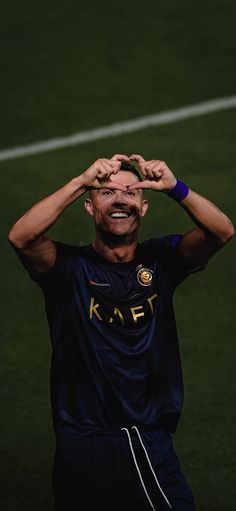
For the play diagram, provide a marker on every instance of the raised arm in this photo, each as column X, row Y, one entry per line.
column 214, row 229
column 27, row 236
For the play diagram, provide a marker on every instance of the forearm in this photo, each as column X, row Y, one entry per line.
column 208, row 217
column 37, row 220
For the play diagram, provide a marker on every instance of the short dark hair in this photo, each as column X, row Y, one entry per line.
column 130, row 168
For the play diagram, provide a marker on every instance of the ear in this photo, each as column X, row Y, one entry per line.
column 144, row 207
column 88, row 206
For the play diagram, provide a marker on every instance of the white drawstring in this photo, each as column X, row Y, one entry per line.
column 137, row 467
column 150, row 465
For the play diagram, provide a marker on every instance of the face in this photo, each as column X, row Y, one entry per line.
column 116, row 211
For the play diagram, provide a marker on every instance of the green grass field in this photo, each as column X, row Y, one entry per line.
column 67, row 67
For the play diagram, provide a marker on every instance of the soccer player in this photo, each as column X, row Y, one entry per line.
column 116, row 380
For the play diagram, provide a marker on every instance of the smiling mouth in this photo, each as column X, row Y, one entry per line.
column 119, row 214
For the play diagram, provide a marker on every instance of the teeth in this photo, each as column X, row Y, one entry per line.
column 119, row 215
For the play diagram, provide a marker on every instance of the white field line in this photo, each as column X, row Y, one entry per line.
column 120, row 128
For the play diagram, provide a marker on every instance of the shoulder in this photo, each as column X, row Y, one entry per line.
column 168, row 243
column 69, row 256
column 67, row 250
column 164, row 250
column 66, row 261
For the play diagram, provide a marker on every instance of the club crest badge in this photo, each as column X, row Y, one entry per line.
column 145, row 276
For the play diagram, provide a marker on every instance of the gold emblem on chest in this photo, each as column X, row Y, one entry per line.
column 145, row 276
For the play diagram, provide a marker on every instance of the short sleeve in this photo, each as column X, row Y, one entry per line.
column 167, row 249
column 66, row 261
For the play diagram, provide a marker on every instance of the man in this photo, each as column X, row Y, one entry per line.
column 116, row 381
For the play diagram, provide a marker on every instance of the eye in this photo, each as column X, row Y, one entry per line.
column 130, row 193
column 107, row 192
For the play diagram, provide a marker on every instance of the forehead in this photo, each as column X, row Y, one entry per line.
column 124, row 177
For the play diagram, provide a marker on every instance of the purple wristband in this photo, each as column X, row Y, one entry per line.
column 179, row 192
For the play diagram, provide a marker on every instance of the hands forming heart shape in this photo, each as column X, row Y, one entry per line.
column 156, row 174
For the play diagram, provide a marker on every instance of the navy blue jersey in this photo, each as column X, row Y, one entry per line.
column 115, row 354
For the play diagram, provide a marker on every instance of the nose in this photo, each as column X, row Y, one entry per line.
column 120, row 198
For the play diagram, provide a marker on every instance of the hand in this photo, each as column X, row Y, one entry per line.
column 157, row 176
column 98, row 174
column 120, row 157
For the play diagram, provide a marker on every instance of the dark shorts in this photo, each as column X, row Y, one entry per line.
column 99, row 473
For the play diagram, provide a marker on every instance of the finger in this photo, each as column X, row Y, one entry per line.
column 115, row 186
column 158, row 164
column 109, row 161
column 146, row 184
column 115, row 164
column 109, row 185
column 142, row 167
column 153, row 164
column 137, row 157
column 149, row 172
column 141, row 162
column 154, row 174
column 102, row 175
column 154, row 169
column 103, row 170
column 120, row 157
column 154, row 161
column 110, row 167
column 157, row 177
column 137, row 185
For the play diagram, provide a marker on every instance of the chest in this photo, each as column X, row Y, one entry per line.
column 123, row 297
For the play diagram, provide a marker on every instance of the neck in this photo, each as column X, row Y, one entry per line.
column 116, row 250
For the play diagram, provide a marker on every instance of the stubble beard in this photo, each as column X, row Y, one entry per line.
column 114, row 239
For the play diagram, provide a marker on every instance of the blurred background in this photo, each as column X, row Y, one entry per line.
column 71, row 66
